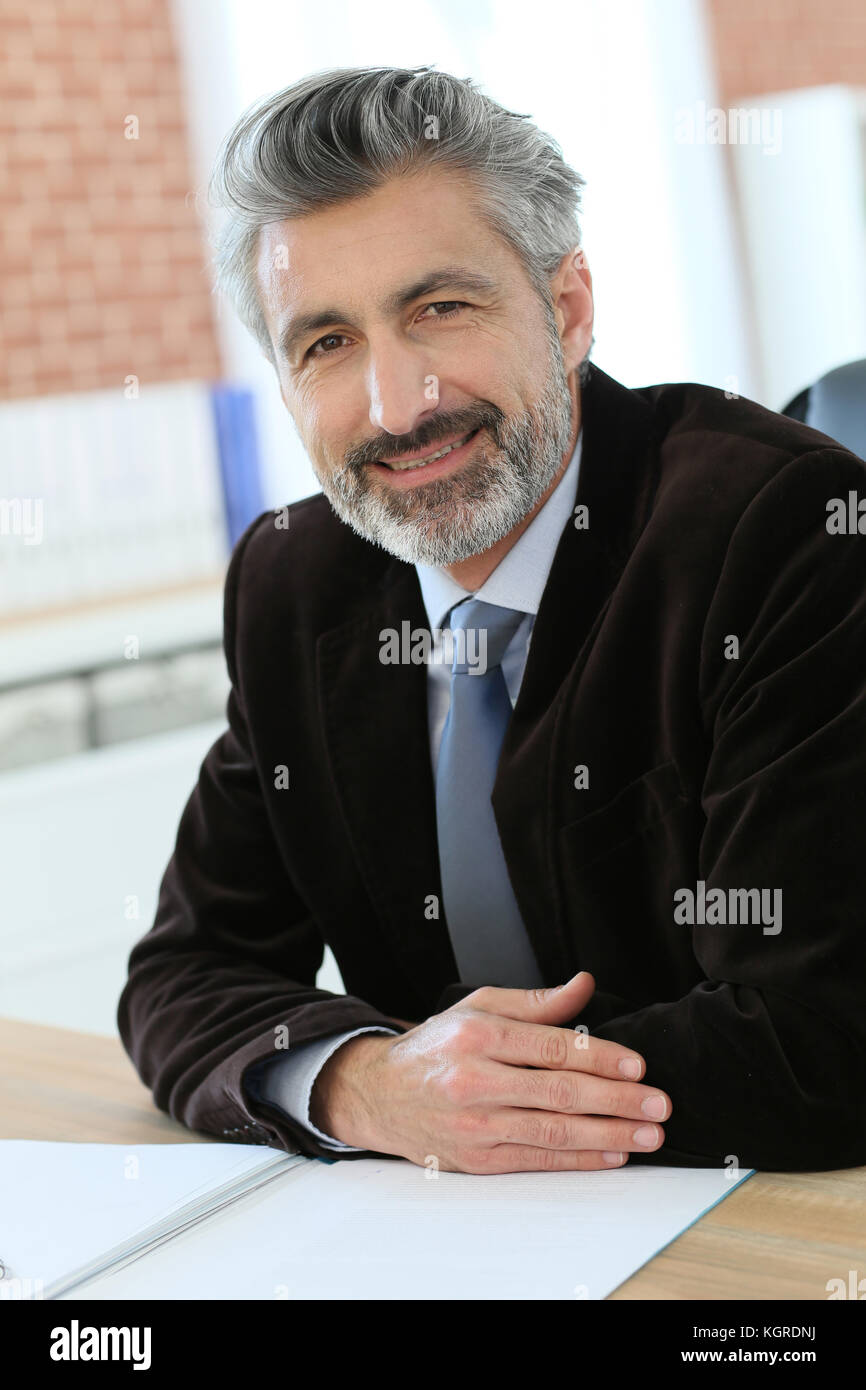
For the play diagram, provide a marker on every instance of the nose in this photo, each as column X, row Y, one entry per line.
column 401, row 392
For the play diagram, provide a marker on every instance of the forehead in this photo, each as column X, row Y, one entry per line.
column 369, row 243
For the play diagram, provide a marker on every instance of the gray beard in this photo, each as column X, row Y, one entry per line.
column 450, row 519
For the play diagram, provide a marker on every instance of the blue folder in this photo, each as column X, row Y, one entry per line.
column 240, row 468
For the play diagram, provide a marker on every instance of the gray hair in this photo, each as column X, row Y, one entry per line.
column 341, row 134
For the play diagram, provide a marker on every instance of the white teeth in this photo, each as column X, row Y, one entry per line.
column 401, row 467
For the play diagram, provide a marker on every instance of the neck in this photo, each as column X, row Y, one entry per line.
column 470, row 574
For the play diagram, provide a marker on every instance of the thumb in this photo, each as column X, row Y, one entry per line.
column 557, row 1005
column 562, row 1003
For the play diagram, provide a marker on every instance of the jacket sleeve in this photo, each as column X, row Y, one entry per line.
column 226, row 976
column 287, row 1081
column 765, row 1060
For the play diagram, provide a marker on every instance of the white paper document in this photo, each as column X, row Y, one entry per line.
column 68, row 1210
column 288, row 1227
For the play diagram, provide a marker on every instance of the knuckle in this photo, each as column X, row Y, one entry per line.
column 481, row 998
column 461, row 1085
column 554, row 1050
column 537, row 996
column 548, row 1159
column 564, row 1094
column 545, row 1132
column 555, row 1134
column 469, row 1034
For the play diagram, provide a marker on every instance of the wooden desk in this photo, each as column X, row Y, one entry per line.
column 779, row 1235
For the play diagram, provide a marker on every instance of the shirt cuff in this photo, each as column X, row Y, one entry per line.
column 288, row 1081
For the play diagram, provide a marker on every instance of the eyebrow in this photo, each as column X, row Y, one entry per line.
column 454, row 277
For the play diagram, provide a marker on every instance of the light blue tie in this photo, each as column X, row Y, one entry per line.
column 488, row 936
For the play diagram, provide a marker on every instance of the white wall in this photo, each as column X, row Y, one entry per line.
column 804, row 216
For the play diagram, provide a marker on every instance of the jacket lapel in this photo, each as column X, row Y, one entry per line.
column 615, row 484
column 375, row 723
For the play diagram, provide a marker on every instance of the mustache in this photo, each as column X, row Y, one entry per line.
column 456, row 422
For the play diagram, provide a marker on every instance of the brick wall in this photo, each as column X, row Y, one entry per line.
column 102, row 264
column 777, row 45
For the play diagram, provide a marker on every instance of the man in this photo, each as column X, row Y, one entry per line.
column 548, row 717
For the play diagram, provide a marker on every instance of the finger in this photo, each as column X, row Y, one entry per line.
column 524, row 1158
column 545, row 1129
column 540, row 1045
column 572, row 1093
column 555, row 1005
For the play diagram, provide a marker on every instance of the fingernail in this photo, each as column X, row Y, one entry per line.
column 612, row 1158
column 654, row 1108
column 646, row 1136
column 630, row 1067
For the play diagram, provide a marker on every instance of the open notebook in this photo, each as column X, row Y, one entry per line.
column 228, row 1221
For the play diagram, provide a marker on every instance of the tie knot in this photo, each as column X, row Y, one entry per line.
column 481, row 633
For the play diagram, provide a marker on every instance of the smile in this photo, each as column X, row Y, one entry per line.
column 406, row 465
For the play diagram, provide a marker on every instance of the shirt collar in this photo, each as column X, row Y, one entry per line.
column 520, row 577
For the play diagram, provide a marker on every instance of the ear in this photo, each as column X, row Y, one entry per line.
column 571, row 293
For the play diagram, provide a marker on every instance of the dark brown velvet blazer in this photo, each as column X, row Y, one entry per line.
column 707, row 521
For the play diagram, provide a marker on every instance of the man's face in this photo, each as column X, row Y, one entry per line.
column 403, row 326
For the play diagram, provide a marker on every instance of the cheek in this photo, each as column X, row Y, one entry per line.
column 306, row 406
column 325, row 420
column 500, row 366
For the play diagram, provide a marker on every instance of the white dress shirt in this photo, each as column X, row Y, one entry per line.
column 518, row 582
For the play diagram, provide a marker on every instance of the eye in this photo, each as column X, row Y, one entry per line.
column 453, row 307
column 328, row 338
